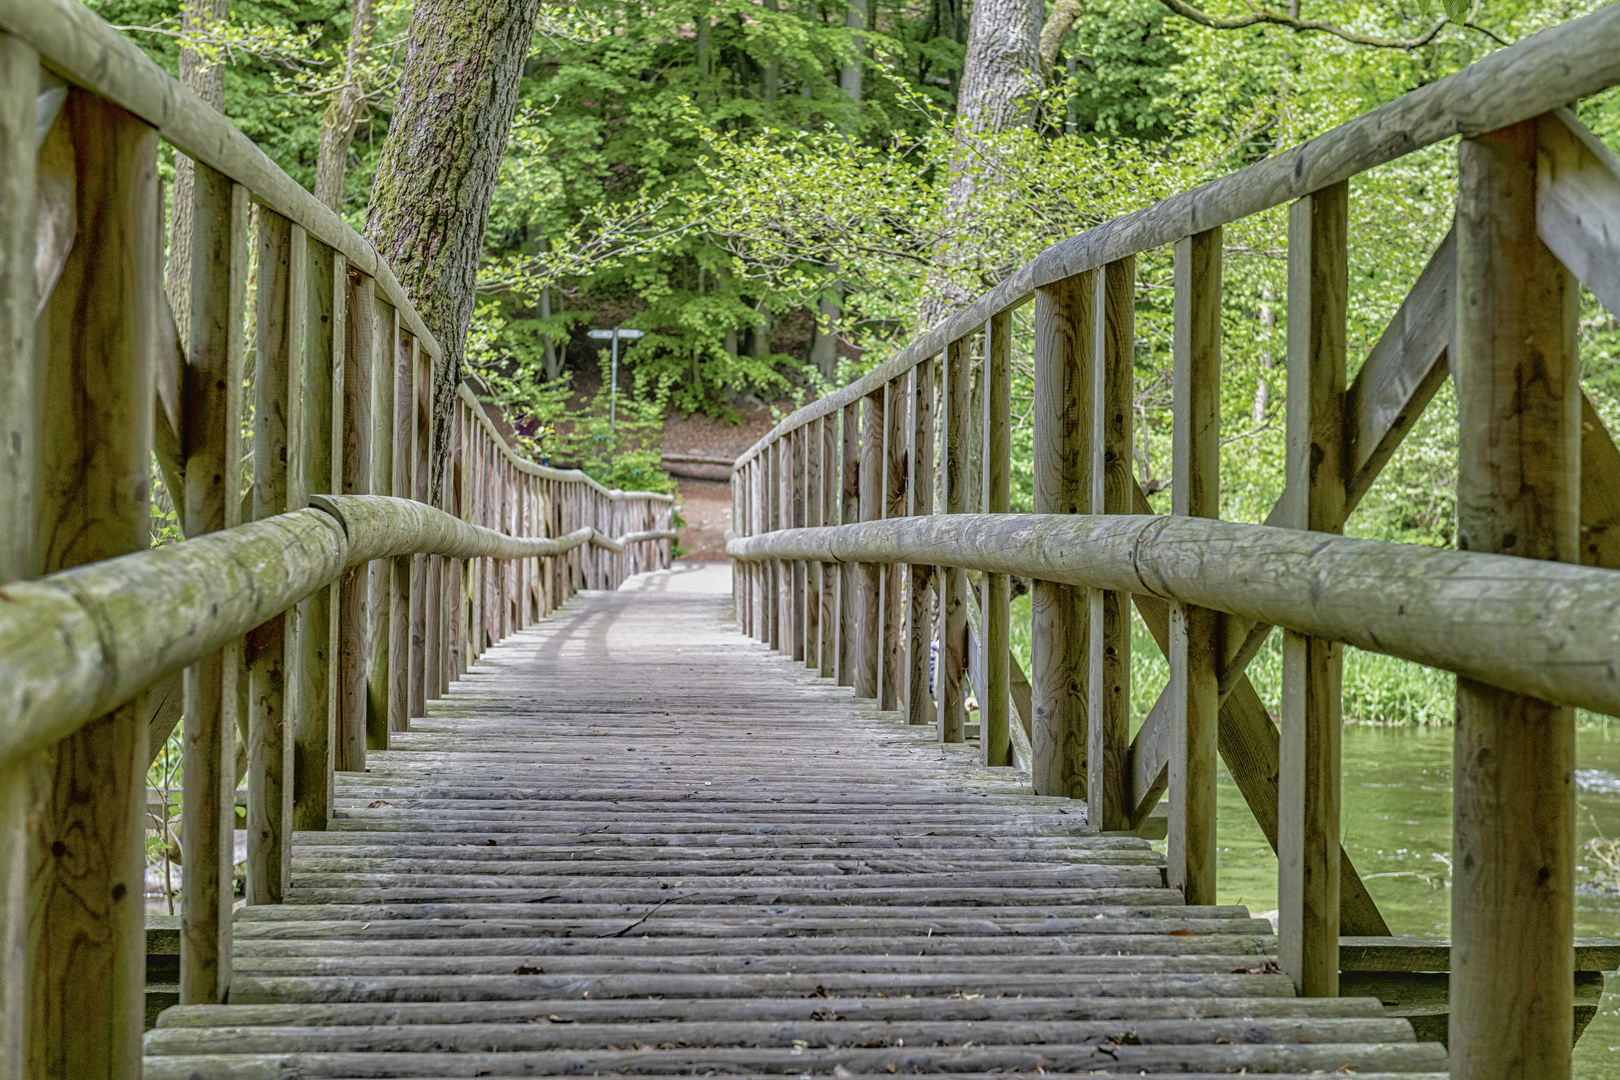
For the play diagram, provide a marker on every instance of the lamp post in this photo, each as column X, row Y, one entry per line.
column 614, row 336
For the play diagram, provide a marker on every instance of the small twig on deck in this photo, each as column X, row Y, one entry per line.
column 638, row 922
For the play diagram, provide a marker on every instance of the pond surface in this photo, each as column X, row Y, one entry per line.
column 1397, row 829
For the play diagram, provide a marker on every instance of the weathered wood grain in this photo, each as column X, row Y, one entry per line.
column 868, row 576
column 1578, row 203
column 994, row 646
column 849, row 511
column 920, row 625
column 954, row 594
column 897, row 432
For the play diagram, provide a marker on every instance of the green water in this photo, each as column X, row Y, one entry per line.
column 1397, row 819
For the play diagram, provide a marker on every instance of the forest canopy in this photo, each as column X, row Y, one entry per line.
column 765, row 188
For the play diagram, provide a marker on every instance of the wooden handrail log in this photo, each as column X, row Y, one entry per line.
column 1524, row 80
column 1534, row 627
column 76, row 644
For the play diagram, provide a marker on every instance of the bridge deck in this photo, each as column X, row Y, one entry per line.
column 634, row 841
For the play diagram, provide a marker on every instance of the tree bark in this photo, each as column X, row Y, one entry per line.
column 207, row 81
column 430, row 202
column 343, row 111
column 1001, row 69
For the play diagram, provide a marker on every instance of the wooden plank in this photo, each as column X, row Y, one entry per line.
column 382, row 482
column 211, row 403
column 849, row 509
column 810, row 496
column 1059, row 657
column 995, row 739
column 831, row 573
column 358, row 428
column 1518, row 396
column 272, row 648
column 419, row 414
column 399, row 601
column 1317, row 467
column 85, row 1005
column 1108, row 779
column 868, row 577
column 791, row 450
column 1195, row 492
column 897, row 430
column 1578, row 203
column 920, row 707
column 319, row 374
column 954, row 421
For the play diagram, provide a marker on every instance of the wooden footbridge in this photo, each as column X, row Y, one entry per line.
column 522, row 800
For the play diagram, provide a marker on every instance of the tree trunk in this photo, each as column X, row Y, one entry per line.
column 849, row 76
column 999, row 74
column 548, row 347
column 430, row 201
column 207, row 81
column 343, row 112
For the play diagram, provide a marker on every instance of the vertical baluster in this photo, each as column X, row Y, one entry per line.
column 952, row 657
column 869, row 576
column 1309, row 776
column 97, row 333
column 402, row 369
column 827, row 493
column 994, row 738
column 793, row 569
column 281, row 308
column 773, row 509
column 783, row 489
column 755, row 569
column 849, row 510
column 381, row 483
column 739, row 571
column 1519, row 409
column 417, row 464
column 920, row 708
column 808, row 492
column 322, row 390
column 1059, row 654
column 211, row 436
column 1112, row 489
column 896, row 487
column 20, row 405
column 359, row 295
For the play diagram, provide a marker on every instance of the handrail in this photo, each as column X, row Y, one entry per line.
column 1535, row 76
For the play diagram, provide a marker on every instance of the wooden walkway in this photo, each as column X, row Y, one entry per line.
column 632, row 840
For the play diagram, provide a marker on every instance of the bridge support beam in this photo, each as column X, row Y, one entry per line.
column 1519, row 409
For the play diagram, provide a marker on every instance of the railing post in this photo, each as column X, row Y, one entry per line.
column 810, row 498
column 827, row 494
column 955, row 418
column 868, row 586
column 211, row 438
column 417, row 472
column 756, row 525
column 1112, row 489
column 792, row 446
column 849, row 510
column 1059, row 654
column 995, row 741
column 321, row 374
column 401, row 370
column 1519, row 409
column 86, row 954
column 20, row 403
column 1195, row 491
column 896, row 483
column 358, row 292
column 278, row 431
column 920, row 707
column 1308, row 780
column 381, row 481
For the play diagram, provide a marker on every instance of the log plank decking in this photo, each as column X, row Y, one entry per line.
column 633, row 840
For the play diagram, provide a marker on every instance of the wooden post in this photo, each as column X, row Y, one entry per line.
column 896, row 496
column 399, row 600
column 920, row 707
column 211, row 437
column 356, row 425
column 1195, row 491
column 868, row 582
column 272, row 648
column 813, row 572
column 774, row 600
column 1308, row 779
column 849, row 509
column 827, row 493
column 956, row 416
column 1518, row 398
column 421, row 443
column 995, row 741
column 321, row 374
column 382, row 482
column 792, row 465
column 1059, row 653
column 20, row 405
column 87, row 955
column 1108, row 779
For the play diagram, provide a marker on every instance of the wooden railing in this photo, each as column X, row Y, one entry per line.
column 855, row 539
column 352, row 594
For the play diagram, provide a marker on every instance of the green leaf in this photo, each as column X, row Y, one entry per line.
column 1456, row 10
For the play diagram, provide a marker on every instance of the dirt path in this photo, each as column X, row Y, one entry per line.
column 706, row 504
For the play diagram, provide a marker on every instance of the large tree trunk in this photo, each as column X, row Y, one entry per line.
column 207, row 81
column 1000, row 72
column 343, row 111
column 430, row 201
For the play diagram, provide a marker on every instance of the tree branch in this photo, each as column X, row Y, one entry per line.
column 1260, row 14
